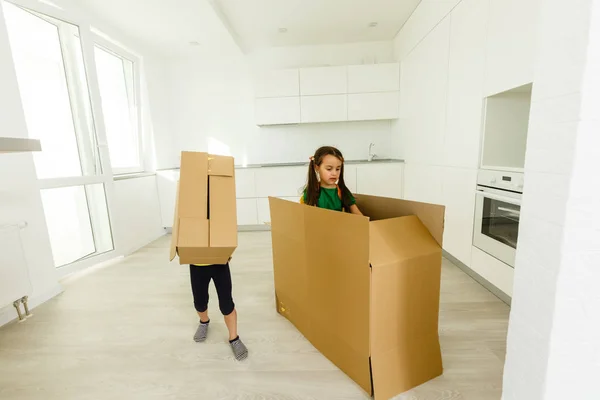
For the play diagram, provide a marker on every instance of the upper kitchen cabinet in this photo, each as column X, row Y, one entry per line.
column 323, row 81
column 277, row 83
column 328, row 94
column 373, row 106
column 373, row 78
column 511, row 44
column 326, row 108
column 277, row 111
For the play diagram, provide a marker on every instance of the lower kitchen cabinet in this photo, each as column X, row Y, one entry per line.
column 264, row 212
column 247, row 211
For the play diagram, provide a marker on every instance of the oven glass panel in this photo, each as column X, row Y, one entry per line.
column 501, row 221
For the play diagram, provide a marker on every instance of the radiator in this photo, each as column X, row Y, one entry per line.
column 15, row 282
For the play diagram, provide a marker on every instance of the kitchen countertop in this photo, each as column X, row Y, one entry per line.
column 300, row 164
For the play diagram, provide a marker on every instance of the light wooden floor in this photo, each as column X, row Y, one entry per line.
column 125, row 333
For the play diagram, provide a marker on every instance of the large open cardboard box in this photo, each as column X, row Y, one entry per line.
column 364, row 292
column 205, row 226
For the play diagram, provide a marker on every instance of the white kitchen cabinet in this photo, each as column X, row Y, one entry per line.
column 244, row 183
column 424, row 183
column 374, row 78
column 373, row 106
column 280, row 181
column 323, row 80
column 329, row 108
column 424, row 97
column 247, row 212
column 380, row 179
column 277, row 83
column 277, row 111
column 264, row 212
column 328, row 94
column 466, row 71
column 458, row 195
column 494, row 271
column 511, row 44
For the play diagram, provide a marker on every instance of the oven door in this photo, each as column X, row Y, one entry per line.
column 496, row 227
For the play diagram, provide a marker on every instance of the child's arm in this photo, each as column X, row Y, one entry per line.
column 354, row 210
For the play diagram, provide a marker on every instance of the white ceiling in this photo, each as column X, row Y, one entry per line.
column 165, row 25
column 310, row 22
column 170, row 25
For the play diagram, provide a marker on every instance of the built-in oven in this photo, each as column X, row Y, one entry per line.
column 497, row 214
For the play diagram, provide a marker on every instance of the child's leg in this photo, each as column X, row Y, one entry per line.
column 222, row 278
column 200, row 278
column 223, row 284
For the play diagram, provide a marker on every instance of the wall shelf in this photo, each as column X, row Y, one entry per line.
column 18, row 145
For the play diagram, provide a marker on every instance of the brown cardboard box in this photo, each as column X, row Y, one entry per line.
column 205, row 226
column 364, row 293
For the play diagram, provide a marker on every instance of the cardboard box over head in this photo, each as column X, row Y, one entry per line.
column 205, row 226
column 364, row 292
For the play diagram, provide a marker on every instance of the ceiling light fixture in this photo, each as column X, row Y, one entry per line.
column 282, row 30
column 194, row 43
column 373, row 24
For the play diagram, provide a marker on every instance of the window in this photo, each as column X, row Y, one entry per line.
column 41, row 48
column 116, row 79
column 51, row 61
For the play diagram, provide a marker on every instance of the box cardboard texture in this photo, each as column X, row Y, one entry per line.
column 364, row 292
column 205, row 226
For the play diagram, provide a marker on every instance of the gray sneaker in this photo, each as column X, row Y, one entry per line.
column 201, row 332
column 240, row 351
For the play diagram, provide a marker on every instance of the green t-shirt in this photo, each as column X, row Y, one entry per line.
column 330, row 199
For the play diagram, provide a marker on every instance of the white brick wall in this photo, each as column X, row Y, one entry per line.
column 554, row 334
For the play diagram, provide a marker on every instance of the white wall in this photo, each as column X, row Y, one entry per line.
column 19, row 193
column 554, row 332
column 445, row 49
column 212, row 107
column 137, row 212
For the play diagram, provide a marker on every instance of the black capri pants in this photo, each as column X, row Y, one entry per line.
column 201, row 277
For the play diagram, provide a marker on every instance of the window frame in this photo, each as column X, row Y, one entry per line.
column 99, row 142
column 136, row 107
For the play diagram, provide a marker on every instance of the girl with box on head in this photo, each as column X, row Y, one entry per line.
column 326, row 187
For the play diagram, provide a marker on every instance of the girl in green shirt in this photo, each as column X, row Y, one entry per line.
column 326, row 187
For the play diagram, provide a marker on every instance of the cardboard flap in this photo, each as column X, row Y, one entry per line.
column 398, row 239
column 223, row 216
column 337, row 247
column 193, row 185
column 193, row 232
column 431, row 215
column 220, row 166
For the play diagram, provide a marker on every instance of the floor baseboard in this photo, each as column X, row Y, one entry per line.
column 479, row 279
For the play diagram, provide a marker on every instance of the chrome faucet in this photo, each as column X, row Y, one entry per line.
column 371, row 154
